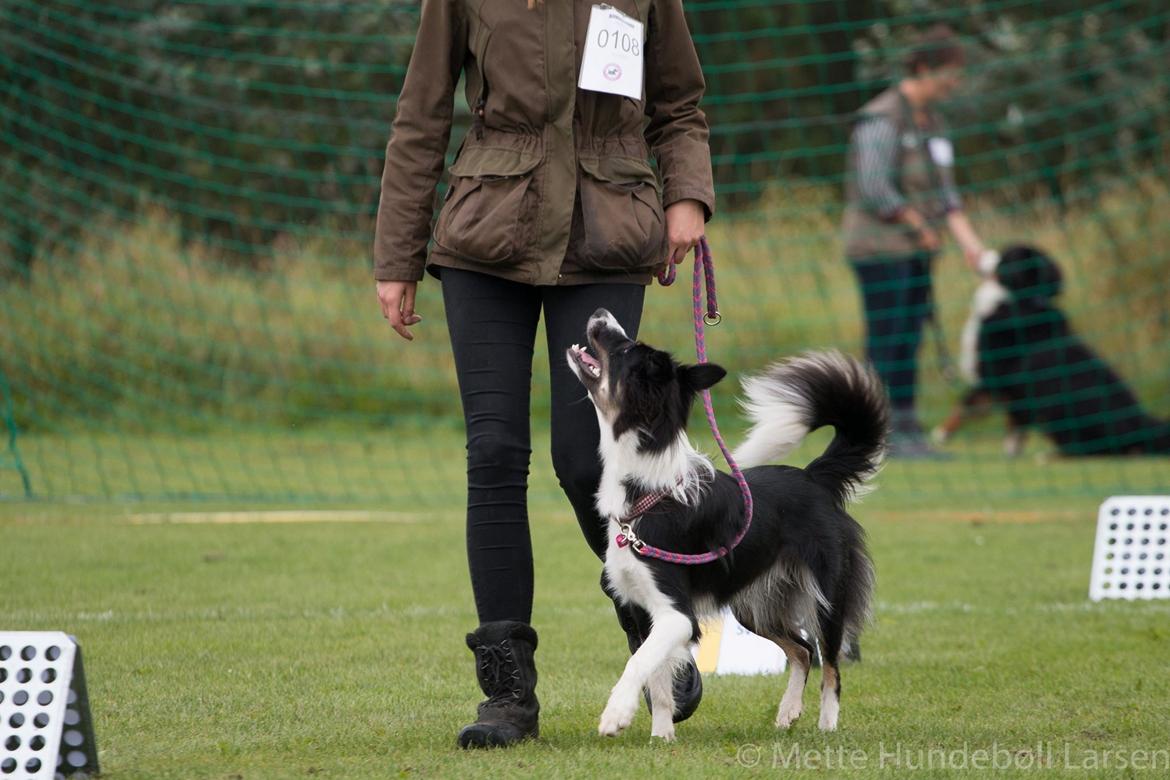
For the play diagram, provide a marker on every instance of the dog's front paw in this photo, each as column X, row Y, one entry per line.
column 618, row 715
column 788, row 713
column 613, row 723
column 828, row 721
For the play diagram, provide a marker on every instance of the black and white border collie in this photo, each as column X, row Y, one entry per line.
column 1019, row 351
column 803, row 564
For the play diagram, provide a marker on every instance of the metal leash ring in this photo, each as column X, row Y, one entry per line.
column 632, row 539
column 713, row 319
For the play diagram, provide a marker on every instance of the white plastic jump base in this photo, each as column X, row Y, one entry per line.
column 1131, row 558
column 726, row 647
column 46, row 731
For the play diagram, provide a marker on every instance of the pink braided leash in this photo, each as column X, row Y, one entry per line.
column 704, row 270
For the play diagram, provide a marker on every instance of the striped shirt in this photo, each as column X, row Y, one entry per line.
column 876, row 141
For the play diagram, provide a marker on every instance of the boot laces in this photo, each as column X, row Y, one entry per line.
column 500, row 673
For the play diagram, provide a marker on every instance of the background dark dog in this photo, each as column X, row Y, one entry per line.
column 1020, row 352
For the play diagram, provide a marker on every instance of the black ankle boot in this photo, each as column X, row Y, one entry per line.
column 506, row 669
column 688, row 683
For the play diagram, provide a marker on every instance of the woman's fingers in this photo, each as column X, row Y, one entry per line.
column 928, row 239
column 399, row 326
column 397, row 300
column 684, row 229
column 408, row 302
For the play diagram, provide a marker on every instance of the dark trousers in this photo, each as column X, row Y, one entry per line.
column 492, row 323
column 895, row 292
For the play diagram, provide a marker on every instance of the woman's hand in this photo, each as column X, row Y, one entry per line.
column 967, row 238
column 973, row 255
column 684, row 228
column 397, row 299
column 928, row 239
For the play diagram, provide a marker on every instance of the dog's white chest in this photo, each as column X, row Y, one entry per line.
column 620, row 565
column 629, row 576
column 988, row 296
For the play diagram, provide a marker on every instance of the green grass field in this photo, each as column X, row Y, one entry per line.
column 334, row 647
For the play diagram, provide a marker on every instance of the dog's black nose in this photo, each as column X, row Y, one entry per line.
column 600, row 314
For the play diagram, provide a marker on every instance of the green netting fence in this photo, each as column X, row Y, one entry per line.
column 187, row 192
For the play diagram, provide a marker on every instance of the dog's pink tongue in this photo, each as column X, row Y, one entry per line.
column 588, row 360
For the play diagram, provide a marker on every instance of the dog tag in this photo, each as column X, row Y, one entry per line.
column 942, row 152
column 612, row 61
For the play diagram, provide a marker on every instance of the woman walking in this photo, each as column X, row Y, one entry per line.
column 552, row 208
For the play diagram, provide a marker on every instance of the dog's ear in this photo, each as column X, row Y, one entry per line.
column 703, row 375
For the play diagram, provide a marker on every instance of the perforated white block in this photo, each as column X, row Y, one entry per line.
column 45, row 726
column 1131, row 558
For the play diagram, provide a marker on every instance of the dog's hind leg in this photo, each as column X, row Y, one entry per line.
column 799, row 653
column 671, row 632
column 832, row 635
column 830, row 696
column 661, row 687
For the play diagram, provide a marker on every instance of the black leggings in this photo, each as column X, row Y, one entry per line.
column 896, row 295
column 493, row 323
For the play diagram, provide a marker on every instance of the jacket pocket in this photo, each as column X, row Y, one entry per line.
column 622, row 215
column 485, row 217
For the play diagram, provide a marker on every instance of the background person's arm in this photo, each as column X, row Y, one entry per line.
column 957, row 221
column 876, row 142
column 968, row 240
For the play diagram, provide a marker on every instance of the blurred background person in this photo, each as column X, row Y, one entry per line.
column 900, row 194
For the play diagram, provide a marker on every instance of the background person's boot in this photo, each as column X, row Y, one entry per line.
column 908, row 440
column 688, row 683
column 506, row 669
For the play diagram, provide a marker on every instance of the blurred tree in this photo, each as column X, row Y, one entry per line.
column 1060, row 94
column 244, row 119
column 248, row 120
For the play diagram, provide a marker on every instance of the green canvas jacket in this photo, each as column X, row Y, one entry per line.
column 552, row 184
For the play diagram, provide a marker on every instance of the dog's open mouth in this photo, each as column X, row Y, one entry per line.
column 587, row 362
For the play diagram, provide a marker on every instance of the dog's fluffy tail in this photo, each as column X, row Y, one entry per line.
column 796, row 396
